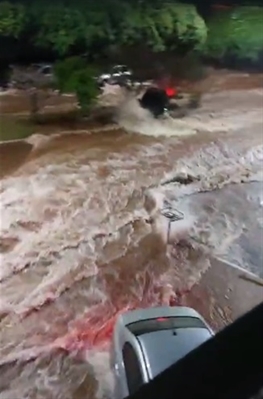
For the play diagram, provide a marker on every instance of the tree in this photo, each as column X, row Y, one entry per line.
column 59, row 27
column 180, row 25
column 236, row 33
column 74, row 76
column 84, row 26
column 13, row 19
column 163, row 26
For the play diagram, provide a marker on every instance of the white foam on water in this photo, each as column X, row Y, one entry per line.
column 69, row 223
column 58, row 213
column 101, row 367
column 226, row 111
column 135, row 119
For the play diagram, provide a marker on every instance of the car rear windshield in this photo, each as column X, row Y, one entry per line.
column 164, row 323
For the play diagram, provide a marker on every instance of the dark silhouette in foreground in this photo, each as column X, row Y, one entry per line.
column 228, row 366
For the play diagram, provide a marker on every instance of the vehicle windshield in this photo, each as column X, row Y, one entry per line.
column 164, row 323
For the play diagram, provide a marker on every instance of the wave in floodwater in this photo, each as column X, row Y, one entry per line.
column 226, row 111
column 134, row 118
column 83, row 238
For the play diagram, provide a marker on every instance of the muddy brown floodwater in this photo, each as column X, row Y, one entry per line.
column 83, row 238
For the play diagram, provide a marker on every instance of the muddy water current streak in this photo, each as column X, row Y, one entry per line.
column 82, row 238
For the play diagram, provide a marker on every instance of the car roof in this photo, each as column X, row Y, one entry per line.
column 120, row 66
column 163, row 348
column 161, row 311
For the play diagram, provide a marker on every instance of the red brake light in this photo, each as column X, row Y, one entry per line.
column 161, row 319
column 170, row 91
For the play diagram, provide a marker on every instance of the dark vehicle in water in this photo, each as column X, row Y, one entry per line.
column 162, row 102
column 155, row 100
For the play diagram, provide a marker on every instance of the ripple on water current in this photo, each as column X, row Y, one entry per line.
column 77, row 245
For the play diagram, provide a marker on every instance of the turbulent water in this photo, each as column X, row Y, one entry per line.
column 83, row 238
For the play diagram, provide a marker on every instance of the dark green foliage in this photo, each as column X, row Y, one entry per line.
column 86, row 89
column 237, row 33
column 74, row 76
column 65, row 27
column 64, row 71
column 86, row 26
column 13, row 19
column 165, row 27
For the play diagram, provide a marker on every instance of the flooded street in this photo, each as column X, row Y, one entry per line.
column 83, row 238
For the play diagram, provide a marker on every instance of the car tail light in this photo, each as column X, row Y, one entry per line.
column 161, row 319
column 170, row 91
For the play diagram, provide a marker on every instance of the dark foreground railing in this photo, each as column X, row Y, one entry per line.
column 228, row 366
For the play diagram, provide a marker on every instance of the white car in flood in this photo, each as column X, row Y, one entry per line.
column 148, row 341
column 118, row 74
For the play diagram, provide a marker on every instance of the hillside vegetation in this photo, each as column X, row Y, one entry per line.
column 58, row 29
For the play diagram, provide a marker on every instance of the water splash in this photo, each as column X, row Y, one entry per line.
column 82, row 236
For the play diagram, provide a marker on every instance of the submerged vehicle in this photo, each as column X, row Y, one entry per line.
column 44, row 69
column 148, row 341
column 155, row 100
column 117, row 75
column 161, row 102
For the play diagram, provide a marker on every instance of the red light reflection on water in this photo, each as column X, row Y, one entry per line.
column 95, row 329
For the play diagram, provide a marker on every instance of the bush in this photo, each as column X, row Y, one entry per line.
column 237, row 34
column 74, row 76
column 84, row 26
column 64, row 72
column 163, row 27
column 13, row 19
column 181, row 25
